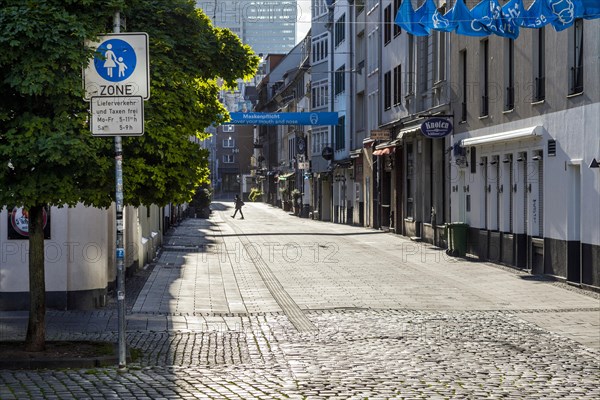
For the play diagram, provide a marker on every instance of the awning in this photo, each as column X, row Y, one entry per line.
column 533, row 132
column 286, row 176
column 384, row 151
column 391, row 143
column 408, row 131
column 355, row 153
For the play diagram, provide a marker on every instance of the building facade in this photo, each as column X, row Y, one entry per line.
column 525, row 114
column 526, row 136
column 268, row 26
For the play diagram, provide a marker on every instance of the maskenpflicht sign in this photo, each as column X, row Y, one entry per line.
column 120, row 67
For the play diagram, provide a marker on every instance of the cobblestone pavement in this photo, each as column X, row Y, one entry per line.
column 214, row 322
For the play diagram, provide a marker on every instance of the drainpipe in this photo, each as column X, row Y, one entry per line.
column 351, row 95
column 332, row 102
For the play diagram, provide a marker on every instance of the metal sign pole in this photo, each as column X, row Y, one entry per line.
column 120, row 246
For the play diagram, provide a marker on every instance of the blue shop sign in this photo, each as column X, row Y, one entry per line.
column 436, row 127
column 283, row 118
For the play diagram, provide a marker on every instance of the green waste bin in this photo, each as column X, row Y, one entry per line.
column 457, row 238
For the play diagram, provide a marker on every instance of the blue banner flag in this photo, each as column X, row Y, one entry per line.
column 489, row 14
column 424, row 13
column 511, row 18
column 538, row 15
column 433, row 19
column 565, row 12
column 465, row 23
column 406, row 18
column 591, row 9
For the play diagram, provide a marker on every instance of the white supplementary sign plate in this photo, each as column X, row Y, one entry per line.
column 119, row 68
column 117, row 116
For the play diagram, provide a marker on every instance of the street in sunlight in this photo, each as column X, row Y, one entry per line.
column 275, row 306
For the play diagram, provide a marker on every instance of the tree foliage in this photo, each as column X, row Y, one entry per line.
column 187, row 55
column 47, row 154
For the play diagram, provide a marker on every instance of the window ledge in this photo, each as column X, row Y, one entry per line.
column 569, row 96
column 462, row 122
column 508, row 111
column 484, row 116
column 376, row 70
column 538, row 102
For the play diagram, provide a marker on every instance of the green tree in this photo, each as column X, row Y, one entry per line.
column 48, row 156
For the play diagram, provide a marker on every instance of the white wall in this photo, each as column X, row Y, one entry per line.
column 76, row 256
column 80, row 253
column 577, row 141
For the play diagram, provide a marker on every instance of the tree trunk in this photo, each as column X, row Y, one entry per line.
column 36, row 328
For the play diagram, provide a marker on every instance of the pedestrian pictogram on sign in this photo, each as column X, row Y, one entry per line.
column 120, row 67
column 118, row 62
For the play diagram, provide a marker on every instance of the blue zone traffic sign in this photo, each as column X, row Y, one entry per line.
column 119, row 67
column 115, row 60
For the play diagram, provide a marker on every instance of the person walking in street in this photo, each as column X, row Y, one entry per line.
column 238, row 206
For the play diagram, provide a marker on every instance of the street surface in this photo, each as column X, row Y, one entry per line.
column 277, row 307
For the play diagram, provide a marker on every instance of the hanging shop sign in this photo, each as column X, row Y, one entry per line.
column 380, row 134
column 436, row 127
